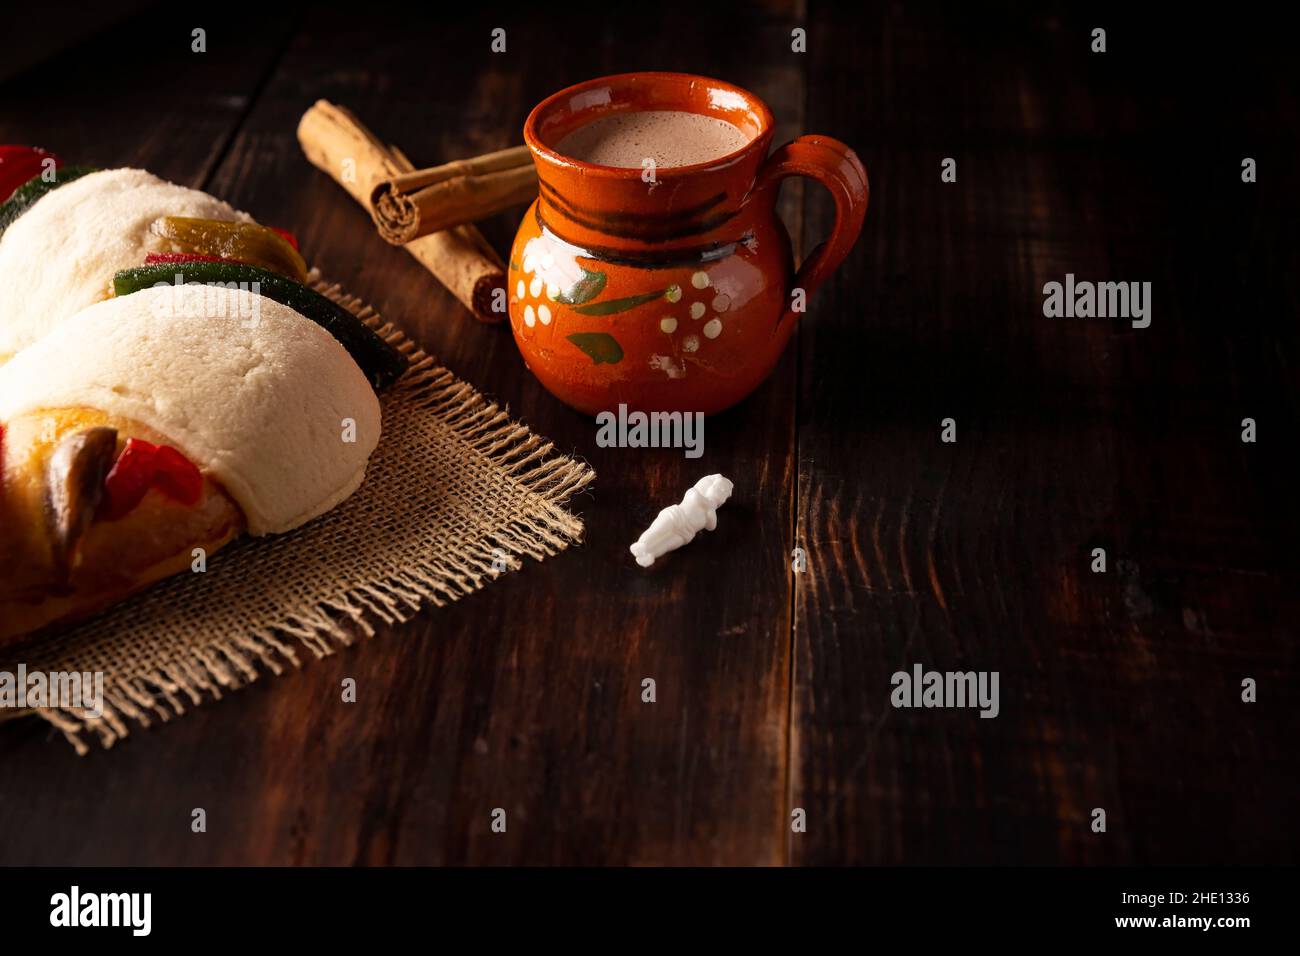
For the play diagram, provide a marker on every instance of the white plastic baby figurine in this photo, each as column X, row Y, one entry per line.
column 678, row 524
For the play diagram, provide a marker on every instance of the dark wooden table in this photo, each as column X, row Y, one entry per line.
column 1119, row 690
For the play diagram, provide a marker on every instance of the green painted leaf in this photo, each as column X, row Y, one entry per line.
column 601, row 346
column 514, row 265
column 610, row 306
column 585, row 289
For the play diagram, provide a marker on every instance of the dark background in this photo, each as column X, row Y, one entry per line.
column 1118, row 690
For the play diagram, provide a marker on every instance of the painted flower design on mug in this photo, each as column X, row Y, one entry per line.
column 552, row 277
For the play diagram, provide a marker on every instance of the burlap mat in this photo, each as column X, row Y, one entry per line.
column 455, row 493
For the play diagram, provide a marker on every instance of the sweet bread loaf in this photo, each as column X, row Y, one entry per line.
column 169, row 385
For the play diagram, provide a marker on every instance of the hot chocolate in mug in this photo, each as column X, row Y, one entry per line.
column 662, row 286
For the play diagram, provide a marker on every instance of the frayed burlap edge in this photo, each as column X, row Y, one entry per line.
column 204, row 671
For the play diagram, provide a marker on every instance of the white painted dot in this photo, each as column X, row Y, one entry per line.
column 535, row 287
column 668, row 325
column 544, row 313
column 548, row 260
column 700, row 280
column 697, row 310
column 673, row 293
column 519, row 289
column 721, row 303
column 713, row 328
column 528, row 263
column 552, row 291
column 691, row 343
column 528, row 316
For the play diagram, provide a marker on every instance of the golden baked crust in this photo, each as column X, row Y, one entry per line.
column 114, row 558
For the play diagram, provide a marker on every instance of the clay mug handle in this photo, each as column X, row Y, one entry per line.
column 838, row 168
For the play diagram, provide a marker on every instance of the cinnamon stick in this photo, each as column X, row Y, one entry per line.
column 337, row 143
column 429, row 200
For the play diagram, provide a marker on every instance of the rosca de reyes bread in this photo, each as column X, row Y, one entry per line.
column 205, row 392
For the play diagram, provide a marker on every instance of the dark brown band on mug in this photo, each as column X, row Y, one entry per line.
column 645, row 227
column 669, row 259
column 554, row 196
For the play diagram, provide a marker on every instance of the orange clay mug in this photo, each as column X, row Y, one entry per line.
column 672, row 290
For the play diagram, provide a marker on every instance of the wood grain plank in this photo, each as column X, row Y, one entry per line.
column 137, row 93
column 1119, row 690
column 32, row 40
